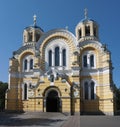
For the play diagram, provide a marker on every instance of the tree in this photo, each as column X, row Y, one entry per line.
column 117, row 97
column 3, row 88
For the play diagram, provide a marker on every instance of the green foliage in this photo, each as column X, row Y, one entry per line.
column 3, row 88
column 117, row 98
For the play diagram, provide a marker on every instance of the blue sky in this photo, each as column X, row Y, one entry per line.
column 15, row 15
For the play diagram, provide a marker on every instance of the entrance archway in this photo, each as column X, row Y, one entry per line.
column 52, row 101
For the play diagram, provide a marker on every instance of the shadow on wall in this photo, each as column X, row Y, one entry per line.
column 92, row 107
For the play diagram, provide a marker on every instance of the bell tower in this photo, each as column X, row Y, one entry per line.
column 87, row 29
column 32, row 34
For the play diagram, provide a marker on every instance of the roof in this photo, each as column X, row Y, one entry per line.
column 35, row 27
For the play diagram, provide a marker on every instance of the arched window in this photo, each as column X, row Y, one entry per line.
column 25, row 91
column 92, row 91
column 50, row 58
column 87, row 30
column 95, row 32
column 64, row 57
column 25, row 64
column 80, row 33
column 31, row 64
column 37, row 36
column 91, row 60
column 57, row 56
column 30, row 37
column 85, row 60
column 88, row 60
column 86, row 91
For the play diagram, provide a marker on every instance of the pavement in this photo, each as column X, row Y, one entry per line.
column 35, row 119
column 40, row 119
column 99, row 121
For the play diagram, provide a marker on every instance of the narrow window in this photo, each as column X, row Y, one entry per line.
column 25, row 64
column 85, row 60
column 95, row 33
column 86, row 90
column 92, row 61
column 37, row 36
column 25, row 92
column 30, row 37
column 79, row 33
column 64, row 57
column 31, row 64
column 87, row 30
column 50, row 58
column 92, row 90
column 57, row 56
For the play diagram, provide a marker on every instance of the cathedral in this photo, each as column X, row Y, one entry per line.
column 58, row 71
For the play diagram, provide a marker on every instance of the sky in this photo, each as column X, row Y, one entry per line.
column 15, row 15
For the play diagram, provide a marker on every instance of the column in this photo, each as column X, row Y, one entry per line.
column 83, row 31
column 61, row 60
column 53, row 58
column 91, row 29
column 34, row 36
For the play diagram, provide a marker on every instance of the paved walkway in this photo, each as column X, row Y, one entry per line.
column 40, row 119
column 100, row 121
column 72, row 121
column 34, row 119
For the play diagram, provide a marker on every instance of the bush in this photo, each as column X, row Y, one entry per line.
column 3, row 88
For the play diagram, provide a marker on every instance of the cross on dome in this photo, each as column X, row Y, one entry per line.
column 86, row 13
column 34, row 19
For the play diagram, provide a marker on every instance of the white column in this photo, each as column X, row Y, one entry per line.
column 88, row 60
column 33, row 36
column 61, row 57
column 83, row 31
column 91, row 29
column 53, row 58
column 28, row 65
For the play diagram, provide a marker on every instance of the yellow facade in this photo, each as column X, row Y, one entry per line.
column 57, row 71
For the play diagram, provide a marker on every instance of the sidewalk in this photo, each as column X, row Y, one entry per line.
column 73, row 121
column 38, row 119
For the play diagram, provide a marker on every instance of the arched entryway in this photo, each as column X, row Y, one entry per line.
column 52, row 101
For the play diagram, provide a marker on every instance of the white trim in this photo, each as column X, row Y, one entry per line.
column 51, row 46
column 88, row 54
column 89, row 81
column 28, row 58
column 92, row 72
column 58, row 32
column 29, row 93
column 23, row 91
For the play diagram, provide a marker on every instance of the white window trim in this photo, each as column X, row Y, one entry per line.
column 51, row 46
column 23, row 90
column 28, row 58
column 89, row 88
column 28, row 88
column 88, row 54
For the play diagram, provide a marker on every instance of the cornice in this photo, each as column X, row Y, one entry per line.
column 62, row 33
column 88, row 72
column 23, row 48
